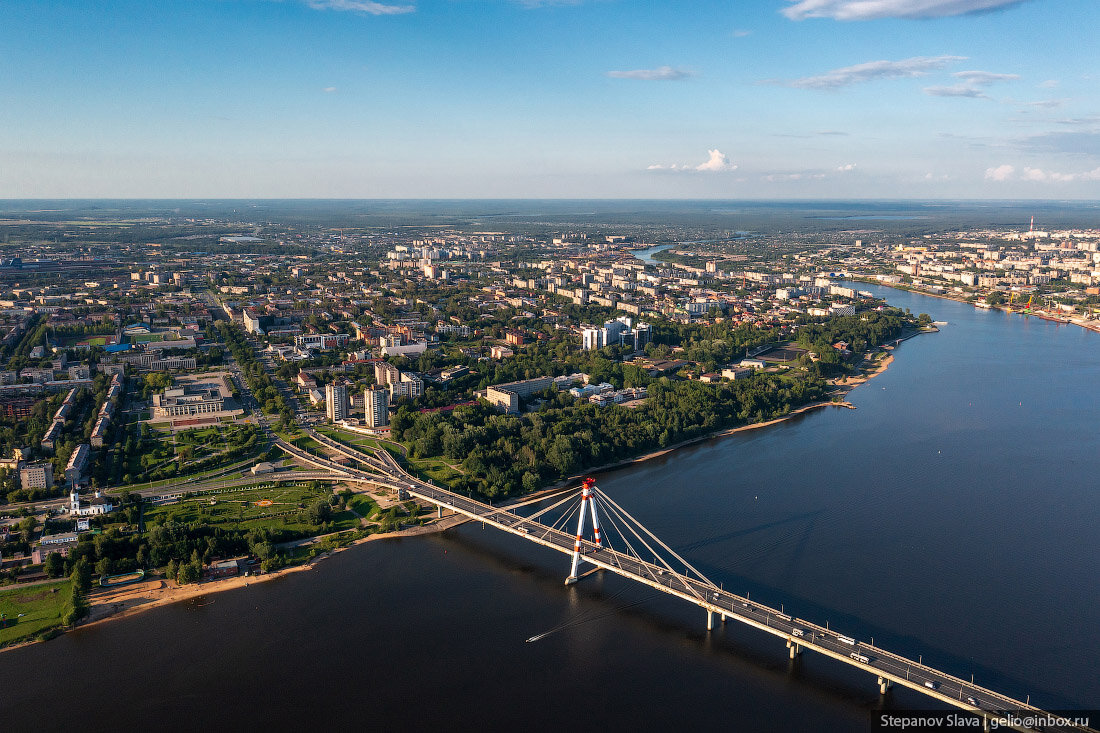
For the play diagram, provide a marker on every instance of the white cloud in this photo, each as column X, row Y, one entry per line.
column 360, row 6
column 779, row 177
column 959, row 90
column 1038, row 175
column 983, row 78
column 972, row 81
column 1047, row 103
column 872, row 9
column 905, row 68
column 740, row 33
column 846, row 167
column 329, row 90
column 1049, row 84
column 716, row 162
column 662, row 73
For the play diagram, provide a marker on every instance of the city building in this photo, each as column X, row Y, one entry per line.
column 507, row 396
column 98, row 504
column 36, row 475
column 190, row 399
column 62, row 544
column 78, row 461
column 620, row 332
column 376, row 404
column 17, row 408
column 321, row 341
column 401, row 384
column 336, row 401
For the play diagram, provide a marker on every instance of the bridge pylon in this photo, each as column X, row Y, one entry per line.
column 588, row 504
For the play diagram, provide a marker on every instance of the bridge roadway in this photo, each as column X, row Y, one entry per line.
column 889, row 668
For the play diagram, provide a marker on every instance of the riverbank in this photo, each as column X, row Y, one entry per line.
column 125, row 601
column 839, row 389
column 110, row 604
column 1093, row 325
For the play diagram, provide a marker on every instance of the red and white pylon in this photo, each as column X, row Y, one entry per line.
column 587, row 502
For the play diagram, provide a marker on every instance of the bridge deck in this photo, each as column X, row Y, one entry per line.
column 800, row 634
column 874, row 660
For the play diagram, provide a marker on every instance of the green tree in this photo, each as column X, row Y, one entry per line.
column 54, row 565
column 188, row 573
column 81, row 575
column 320, row 512
column 78, row 606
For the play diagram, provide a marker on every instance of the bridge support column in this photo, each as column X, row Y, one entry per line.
column 585, row 496
column 710, row 620
column 723, row 618
column 884, row 685
column 439, row 512
column 794, row 648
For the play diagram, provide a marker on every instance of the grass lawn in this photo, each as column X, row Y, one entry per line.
column 352, row 439
column 308, row 444
column 364, row 505
column 233, row 505
column 344, row 520
column 42, row 606
column 145, row 338
column 441, row 475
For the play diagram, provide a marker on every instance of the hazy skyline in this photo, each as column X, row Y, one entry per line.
column 550, row 98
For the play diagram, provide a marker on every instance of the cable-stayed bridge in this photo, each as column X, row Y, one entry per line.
column 641, row 556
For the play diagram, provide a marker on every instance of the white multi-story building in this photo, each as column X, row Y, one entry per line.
column 336, row 401
column 620, row 332
column 36, row 475
column 401, row 384
column 376, row 403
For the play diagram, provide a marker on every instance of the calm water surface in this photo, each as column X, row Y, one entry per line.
column 952, row 515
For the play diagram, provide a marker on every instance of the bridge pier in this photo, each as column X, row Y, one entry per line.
column 884, row 685
column 710, row 620
column 794, row 648
column 439, row 511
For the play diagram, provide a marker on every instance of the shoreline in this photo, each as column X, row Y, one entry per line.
column 1044, row 316
column 131, row 600
column 838, row 390
column 125, row 601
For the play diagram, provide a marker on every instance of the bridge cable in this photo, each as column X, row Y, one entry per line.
column 656, row 555
column 572, row 495
column 565, row 518
column 656, row 539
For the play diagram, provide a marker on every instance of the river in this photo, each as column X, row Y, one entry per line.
column 952, row 515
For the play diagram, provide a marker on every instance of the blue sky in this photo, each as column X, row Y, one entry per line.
column 550, row 98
